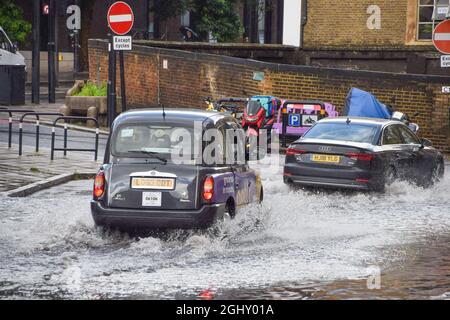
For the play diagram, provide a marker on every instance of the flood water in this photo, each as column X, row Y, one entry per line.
column 313, row 245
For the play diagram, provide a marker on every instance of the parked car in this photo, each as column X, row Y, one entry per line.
column 139, row 185
column 361, row 153
column 9, row 52
column 303, row 115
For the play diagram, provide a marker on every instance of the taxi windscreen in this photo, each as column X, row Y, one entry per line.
column 163, row 140
column 343, row 132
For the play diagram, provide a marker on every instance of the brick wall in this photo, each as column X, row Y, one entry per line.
column 191, row 76
column 344, row 24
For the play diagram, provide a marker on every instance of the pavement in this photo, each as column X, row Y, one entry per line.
column 22, row 175
column 19, row 171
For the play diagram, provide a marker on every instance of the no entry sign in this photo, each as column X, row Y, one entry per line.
column 120, row 18
column 441, row 37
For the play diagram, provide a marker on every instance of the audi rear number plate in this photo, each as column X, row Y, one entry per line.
column 153, row 183
column 324, row 158
column 151, row 199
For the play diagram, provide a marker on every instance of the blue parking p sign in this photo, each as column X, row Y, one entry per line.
column 294, row 120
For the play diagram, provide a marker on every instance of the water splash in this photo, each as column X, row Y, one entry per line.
column 296, row 236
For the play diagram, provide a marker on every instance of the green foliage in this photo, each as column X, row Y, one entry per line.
column 166, row 9
column 11, row 20
column 90, row 89
column 220, row 17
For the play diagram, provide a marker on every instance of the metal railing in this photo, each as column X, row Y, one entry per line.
column 10, row 121
column 65, row 149
column 37, row 115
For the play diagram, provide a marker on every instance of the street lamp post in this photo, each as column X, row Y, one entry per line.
column 36, row 64
column 76, row 49
column 51, row 52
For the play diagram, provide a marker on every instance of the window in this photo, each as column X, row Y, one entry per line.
column 392, row 136
column 4, row 43
column 141, row 140
column 151, row 20
column 261, row 21
column 408, row 136
column 343, row 132
column 185, row 19
column 430, row 14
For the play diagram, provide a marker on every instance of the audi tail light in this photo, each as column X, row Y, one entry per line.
column 360, row 156
column 295, row 152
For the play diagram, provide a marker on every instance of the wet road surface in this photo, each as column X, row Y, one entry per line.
column 314, row 245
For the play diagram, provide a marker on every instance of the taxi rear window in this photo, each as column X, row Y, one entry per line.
column 136, row 140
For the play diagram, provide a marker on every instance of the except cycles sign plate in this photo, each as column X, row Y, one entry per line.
column 120, row 18
column 445, row 61
column 121, row 43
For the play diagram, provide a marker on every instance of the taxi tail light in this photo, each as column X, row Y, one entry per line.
column 360, row 156
column 208, row 188
column 294, row 152
column 99, row 185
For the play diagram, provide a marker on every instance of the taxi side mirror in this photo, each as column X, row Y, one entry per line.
column 414, row 127
column 426, row 143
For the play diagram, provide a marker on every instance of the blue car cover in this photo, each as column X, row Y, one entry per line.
column 360, row 103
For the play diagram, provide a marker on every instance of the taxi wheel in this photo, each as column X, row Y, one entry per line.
column 222, row 226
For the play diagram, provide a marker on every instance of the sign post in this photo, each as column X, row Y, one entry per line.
column 120, row 20
column 52, row 52
column 36, row 76
column 73, row 23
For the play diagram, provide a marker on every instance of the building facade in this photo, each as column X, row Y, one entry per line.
column 381, row 35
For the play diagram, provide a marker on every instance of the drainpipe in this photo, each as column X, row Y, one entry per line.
column 303, row 21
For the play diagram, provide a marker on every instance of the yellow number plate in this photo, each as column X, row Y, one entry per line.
column 326, row 158
column 153, row 183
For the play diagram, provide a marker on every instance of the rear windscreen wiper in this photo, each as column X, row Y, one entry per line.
column 153, row 155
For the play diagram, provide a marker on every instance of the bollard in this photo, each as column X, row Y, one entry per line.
column 37, row 133
column 10, row 132
column 52, row 154
column 20, row 138
column 65, row 138
column 97, row 132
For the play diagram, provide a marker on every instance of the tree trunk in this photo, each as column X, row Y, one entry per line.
column 87, row 9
